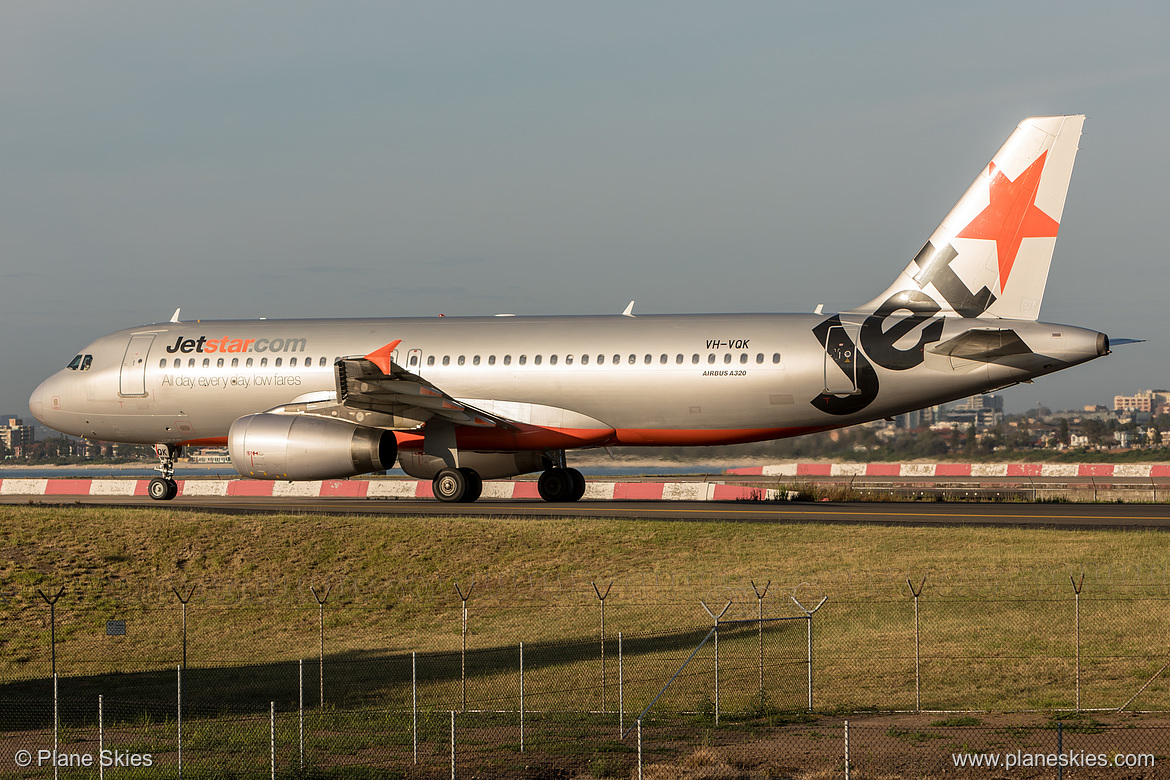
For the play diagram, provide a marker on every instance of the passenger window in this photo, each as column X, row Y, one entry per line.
column 742, row 358
column 430, row 360
column 191, row 363
column 727, row 357
column 248, row 363
column 552, row 360
column 759, row 357
column 278, row 362
column 633, row 359
column 695, row 359
column 601, row 360
column 263, row 362
column 491, row 360
column 775, row 357
column 711, row 358
column 568, row 360
column 446, row 360
column 647, row 359
column 584, row 360
column 178, row 362
column 207, row 362
column 507, row 360
column 219, row 363
column 235, row 362
column 462, row 360
column 292, row 362
column 662, row 359
column 617, row 359
column 413, row 360
column 536, row 360
column 321, row 362
column 678, row 359
column 523, row 359
column 475, row 360
column 162, row 363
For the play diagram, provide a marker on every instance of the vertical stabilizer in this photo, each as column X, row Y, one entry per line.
column 990, row 256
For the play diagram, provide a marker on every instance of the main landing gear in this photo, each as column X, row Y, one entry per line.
column 464, row 485
column 165, row 488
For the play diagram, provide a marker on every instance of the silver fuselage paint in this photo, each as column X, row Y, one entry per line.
column 647, row 386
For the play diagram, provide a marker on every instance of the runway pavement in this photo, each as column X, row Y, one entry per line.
column 927, row 513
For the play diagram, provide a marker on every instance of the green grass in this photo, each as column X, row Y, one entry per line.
column 996, row 613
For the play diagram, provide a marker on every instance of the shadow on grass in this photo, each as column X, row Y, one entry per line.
column 370, row 678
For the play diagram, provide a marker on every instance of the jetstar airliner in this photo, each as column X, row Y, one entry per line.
column 463, row 399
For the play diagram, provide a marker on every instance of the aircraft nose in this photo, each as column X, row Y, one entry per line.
column 36, row 404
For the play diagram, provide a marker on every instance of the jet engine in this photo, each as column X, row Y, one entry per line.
column 283, row 446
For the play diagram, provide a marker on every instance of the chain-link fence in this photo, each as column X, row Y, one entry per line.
column 747, row 678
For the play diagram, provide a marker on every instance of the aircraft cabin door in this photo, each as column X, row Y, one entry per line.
column 414, row 361
column 133, row 377
column 841, row 361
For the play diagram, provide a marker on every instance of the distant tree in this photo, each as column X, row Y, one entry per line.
column 1064, row 432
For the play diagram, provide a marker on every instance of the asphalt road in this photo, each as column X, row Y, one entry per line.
column 1055, row 515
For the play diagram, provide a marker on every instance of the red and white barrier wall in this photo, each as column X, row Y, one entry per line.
column 957, row 470
column 388, row 488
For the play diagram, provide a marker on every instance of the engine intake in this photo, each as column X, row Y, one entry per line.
column 282, row 446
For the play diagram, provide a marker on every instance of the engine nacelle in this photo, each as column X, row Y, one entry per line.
column 287, row 446
column 489, row 465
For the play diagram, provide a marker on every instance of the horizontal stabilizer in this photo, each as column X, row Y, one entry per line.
column 985, row 346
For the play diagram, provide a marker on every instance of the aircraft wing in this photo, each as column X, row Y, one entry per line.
column 375, row 383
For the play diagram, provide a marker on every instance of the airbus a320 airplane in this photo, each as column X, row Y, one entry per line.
column 463, row 399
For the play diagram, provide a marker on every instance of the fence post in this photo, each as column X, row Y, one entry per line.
column 321, row 636
column 414, row 700
column 463, row 654
column 101, row 738
column 639, row 749
column 521, row 697
column 301, row 711
column 601, row 598
column 808, row 615
column 452, row 744
column 621, row 688
column 846, row 750
column 52, row 602
column 1077, row 595
column 716, row 619
column 760, row 603
column 179, row 717
column 917, row 646
column 272, row 738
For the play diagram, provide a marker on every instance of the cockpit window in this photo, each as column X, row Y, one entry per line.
column 86, row 362
column 75, row 363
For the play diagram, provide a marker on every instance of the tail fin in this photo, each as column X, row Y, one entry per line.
column 990, row 256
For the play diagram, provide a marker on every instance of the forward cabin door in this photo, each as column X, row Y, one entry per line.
column 133, row 379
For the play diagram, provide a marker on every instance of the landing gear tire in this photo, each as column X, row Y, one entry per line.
column 578, row 484
column 557, row 485
column 474, row 485
column 162, row 489
column 450, row 485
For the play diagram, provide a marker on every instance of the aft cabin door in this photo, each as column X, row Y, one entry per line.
column 841, row 361
column 133, row 380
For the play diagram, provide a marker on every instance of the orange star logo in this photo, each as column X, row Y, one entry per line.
column 1012, row 215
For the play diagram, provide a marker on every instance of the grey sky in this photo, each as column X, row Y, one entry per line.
column 310, row 159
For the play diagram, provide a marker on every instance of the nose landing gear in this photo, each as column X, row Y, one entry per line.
column 165, row 488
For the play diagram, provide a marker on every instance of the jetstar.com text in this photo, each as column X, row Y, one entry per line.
column 228, row 344
column 1070, row 758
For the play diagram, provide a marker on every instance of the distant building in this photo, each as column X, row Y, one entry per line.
column 1149, row 401
column 982, row 410
column 16, row 435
